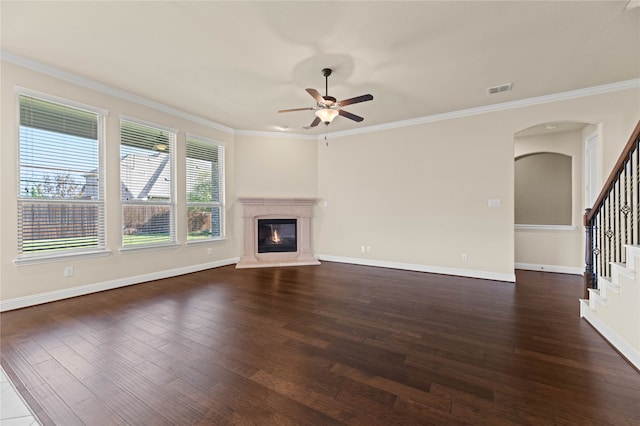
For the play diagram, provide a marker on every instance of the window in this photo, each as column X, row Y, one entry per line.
column 60, row 199
column 147, row 184
column 205, row 189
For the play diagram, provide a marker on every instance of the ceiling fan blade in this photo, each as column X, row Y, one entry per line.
column 316, row 95
column 355, row 100
column 295, row 109
column 314, row 123
column 350, row 116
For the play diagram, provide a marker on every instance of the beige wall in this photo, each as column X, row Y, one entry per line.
column 417, row 195
column 267, row 166
column 560, row 247
column 543, row 189
column 31, row 279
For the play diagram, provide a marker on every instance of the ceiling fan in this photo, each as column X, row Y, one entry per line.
column 327, row 107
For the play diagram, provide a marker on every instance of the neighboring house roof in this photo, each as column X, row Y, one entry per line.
column 145, row 177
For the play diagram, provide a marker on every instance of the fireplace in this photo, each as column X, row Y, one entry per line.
column 277, row 232
column 277, row 235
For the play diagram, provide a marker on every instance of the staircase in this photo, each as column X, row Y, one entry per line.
column 612, row 255
column 613, row 308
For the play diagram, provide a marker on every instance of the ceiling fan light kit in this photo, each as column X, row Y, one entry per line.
column 326, row 115
column 327, row 107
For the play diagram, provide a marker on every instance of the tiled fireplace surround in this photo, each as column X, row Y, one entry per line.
column 276, row 208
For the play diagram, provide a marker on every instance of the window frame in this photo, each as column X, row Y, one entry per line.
column 171, row 203
column 52, row 254
column 220, row 204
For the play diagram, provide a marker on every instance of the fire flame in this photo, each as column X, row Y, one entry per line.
column 275, row 238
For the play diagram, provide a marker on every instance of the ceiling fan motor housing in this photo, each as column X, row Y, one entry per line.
column 329, row 100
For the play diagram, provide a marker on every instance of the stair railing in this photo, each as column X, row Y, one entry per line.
column 614, row 219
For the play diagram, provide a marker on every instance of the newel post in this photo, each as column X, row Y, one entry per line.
column 589, row 279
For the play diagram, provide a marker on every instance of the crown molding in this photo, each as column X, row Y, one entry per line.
column 104, row 88
column 571, row 94
column 632, row 4
column 109, row 90
column 279, row 135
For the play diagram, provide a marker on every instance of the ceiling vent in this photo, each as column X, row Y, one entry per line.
column 498, row 89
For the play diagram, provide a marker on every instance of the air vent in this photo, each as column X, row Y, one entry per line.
column 498, row 89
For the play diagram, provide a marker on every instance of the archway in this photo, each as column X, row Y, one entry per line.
column 551, row 238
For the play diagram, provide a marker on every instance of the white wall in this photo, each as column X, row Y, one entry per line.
column 117, row 268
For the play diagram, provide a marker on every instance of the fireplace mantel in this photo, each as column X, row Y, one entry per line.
column 254, row 208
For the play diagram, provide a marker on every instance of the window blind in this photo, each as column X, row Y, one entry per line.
column 60, row 199
column 205, row 184
column 146, row 184
column 44, row 115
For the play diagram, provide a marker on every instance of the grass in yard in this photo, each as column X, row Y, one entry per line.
column 50, row 244
column 130, row 240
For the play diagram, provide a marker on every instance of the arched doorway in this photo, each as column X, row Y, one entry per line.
column 549, row 236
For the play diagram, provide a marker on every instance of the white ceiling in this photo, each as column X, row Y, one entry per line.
column 238, row 63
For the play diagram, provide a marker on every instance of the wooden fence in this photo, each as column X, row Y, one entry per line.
column 48, row 221
column 52, row 221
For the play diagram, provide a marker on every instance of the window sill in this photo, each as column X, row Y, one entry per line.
column 545, row 227
column 58, row 257
column 207, row 240
column 147, row 247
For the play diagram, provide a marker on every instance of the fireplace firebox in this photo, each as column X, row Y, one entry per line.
column 277, row 235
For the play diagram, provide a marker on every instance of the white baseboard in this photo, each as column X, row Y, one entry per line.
column 52, row 296
column 486, row 275
column 550, row 268
column 629, row 352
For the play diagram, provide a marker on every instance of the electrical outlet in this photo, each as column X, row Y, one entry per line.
column 362, row 249
column 464, row 257
column 368, row 249
column 68, row 271
column 209, row 251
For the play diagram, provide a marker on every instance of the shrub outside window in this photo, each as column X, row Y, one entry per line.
column 205, row 189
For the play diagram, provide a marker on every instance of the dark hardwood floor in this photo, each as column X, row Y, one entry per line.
column 319, row 345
